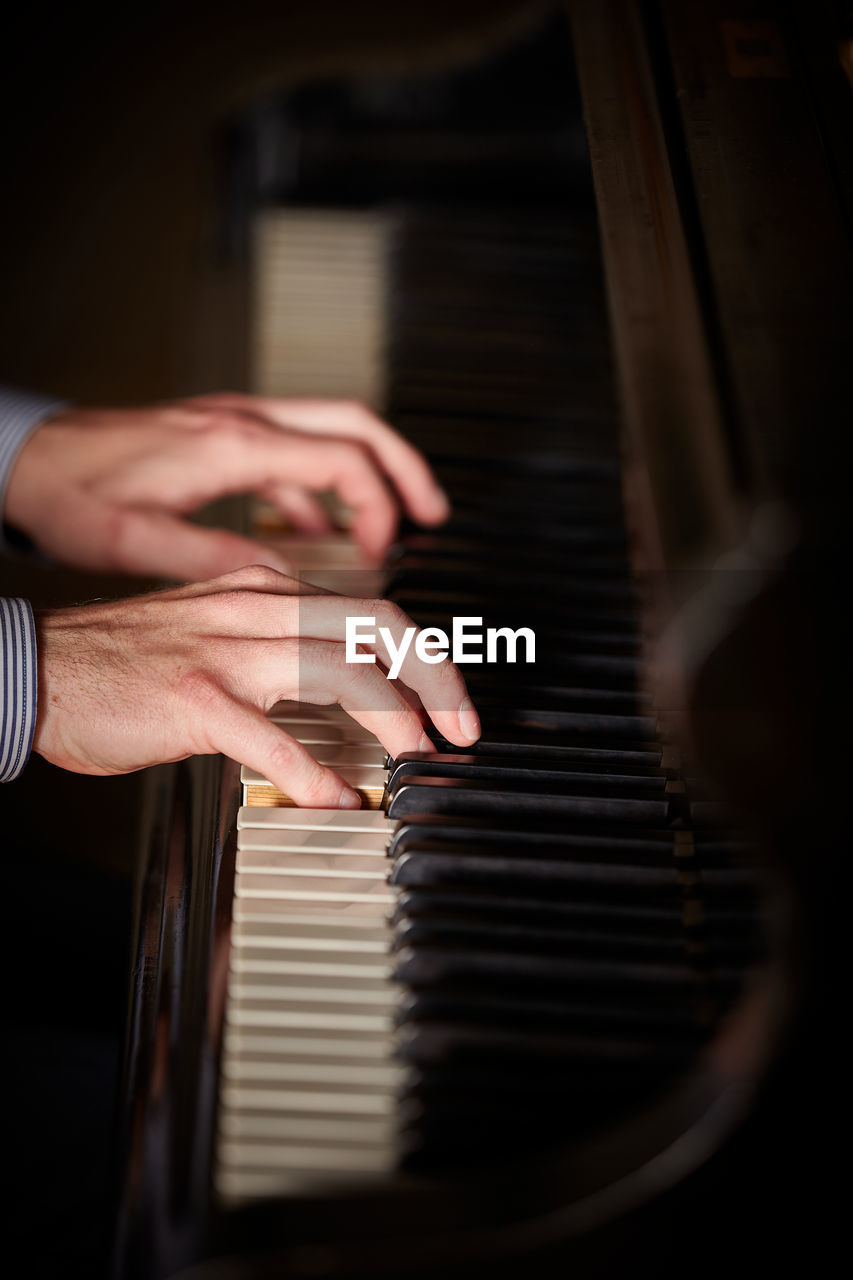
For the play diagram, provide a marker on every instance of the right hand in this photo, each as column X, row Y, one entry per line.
column 192, row 671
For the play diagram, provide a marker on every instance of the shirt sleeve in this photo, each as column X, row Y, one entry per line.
column 20, row 413
column 18, row 685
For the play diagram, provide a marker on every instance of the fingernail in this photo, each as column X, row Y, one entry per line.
column 349, row 799
column 425, row 744
column 469, row 721
column 445, row 501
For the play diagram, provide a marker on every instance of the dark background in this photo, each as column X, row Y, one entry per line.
column 115, row 289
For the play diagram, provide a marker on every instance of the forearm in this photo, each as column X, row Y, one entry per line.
column 18, row 685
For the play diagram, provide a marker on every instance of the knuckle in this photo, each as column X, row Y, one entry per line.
column 336, row 658
column 448, row 683
column 199, row 688
column 227, row 428
column 284, row 755
column 357, row 456
column 210, row 420
column 390, row 615
column 255, row 577
column 402, row 721
column 290, row 762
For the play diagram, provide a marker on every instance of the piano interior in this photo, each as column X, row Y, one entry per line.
column 564, row 1001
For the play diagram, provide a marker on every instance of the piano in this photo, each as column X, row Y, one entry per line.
column 530, row 991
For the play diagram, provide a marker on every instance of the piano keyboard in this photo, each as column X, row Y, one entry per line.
column 509, row 946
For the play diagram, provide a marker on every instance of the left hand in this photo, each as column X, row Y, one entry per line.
column 109, row 489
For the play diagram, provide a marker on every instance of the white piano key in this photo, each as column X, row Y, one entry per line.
column 357, row 775
column 368, row 781
column 254, row 1017
column 260, row 1007
column 295, row 963
column 284, row 925
column 344, row 1075
column 337, row 551
column 339, row 890
column 242, row 1187
column 356, row 820
column 362, row 866
column 252, row 962
column 313, row 735
column 276, row 991
column 369, row 911
column 294, row 934
column 340, row 1102
column 308, row 1071
column 238, row 1155
column 373, row 863
column 342, row 1131
column 337, row 755
column 288, row 841
column 285, row 1046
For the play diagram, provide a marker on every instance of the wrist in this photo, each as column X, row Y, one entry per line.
column 18, row 685
column 22, row 415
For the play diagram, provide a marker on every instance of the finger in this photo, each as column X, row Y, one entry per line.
column 244, row 733
column 301, row 509
column 263, row 672
column 158, row 543
column 405, row 466
column 439, row 686
column 375, row 513
column 236, row 460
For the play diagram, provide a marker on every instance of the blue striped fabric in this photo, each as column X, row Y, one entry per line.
column 18, row 685
column 20, row 414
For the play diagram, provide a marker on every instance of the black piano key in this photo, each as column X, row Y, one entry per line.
column 531, row 533
column 549, row 839
column 451, row 966
column 563, row 614
column 465, row 796
column 646, row 754
column 435, row 1043
column 503, row 573
column 621, row 941
column 414, row 552
column 530, row 769
column 592, row 726
column 518, row 911
column 539, row 846
column 492, row 694
column 616, row 636
column 590, row 590
column 445, row 866
column 546, row 1012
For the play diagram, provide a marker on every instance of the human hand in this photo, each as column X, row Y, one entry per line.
column 109, row 489
column 193, row 670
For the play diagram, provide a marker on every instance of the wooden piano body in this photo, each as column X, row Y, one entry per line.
column 729, row 302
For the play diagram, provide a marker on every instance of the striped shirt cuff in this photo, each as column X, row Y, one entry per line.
column 18, row 685
column 20, row 413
